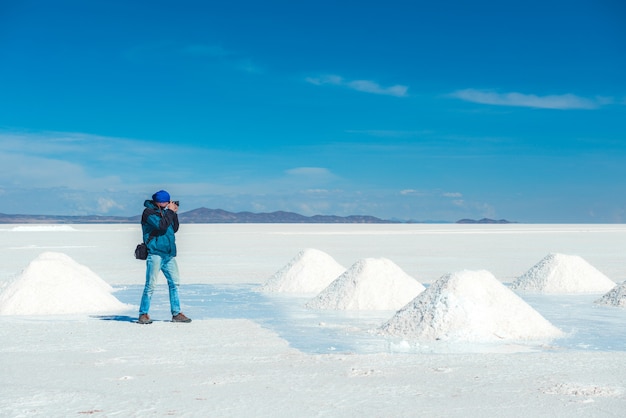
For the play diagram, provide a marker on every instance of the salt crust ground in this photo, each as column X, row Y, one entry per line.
column 68, row 365
column 76, row 366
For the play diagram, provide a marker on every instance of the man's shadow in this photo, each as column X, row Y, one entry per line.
column 120, row 318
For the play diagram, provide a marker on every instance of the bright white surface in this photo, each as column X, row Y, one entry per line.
column 369, row 284
column 54, row 284
column 470, row 306
column 249, row 354
column 310, row 271
column 563, row 273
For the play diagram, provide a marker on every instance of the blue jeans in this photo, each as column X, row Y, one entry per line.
column 169, row 267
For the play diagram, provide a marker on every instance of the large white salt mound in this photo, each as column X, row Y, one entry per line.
column 53, row 283
column 469, row 306
column 561, row 273
column 615, row 297
column 310, row 271
column 370, row 284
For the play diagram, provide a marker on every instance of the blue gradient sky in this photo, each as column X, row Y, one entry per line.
column 398, row 109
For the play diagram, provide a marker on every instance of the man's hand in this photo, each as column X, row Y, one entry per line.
column 173, row 207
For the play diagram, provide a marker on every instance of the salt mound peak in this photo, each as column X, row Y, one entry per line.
column 469, row 306
column 369, row 284
column 615, row 297
column 310, row 271
column 561, row 273
column 53, row 283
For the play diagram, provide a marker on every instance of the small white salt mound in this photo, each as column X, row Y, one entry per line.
column 469, row 306
column 370, row 284
column 310, row 271
column 615, row 297
column 560, row 273
column 53, row 284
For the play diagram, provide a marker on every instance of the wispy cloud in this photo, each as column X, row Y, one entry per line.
column 77, row 173
column 412, row 192
column 106, row 204
column 563, row 101
column 437, row 193
column 310, row 172
column 365, row 86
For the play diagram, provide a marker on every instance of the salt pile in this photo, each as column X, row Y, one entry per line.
column 615, row 297
column 310, row 271
column 470, row 306
column 54, row 283
column 560, row 273
column 370, row 284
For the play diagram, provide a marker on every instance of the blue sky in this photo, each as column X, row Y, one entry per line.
column 398, row 109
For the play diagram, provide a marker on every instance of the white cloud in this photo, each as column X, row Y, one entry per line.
column 411, row 192
column 328, row 79
column 33, row 171
column 106, row 204
column 371, row 87
column 76, row 173
column 73, row 173
column 563, row 101
column 366, row 86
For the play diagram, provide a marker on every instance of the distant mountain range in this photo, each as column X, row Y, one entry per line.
column 211, row 216
column 204, row 215
column 484, row 221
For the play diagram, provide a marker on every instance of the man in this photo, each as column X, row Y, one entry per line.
column 159, row 223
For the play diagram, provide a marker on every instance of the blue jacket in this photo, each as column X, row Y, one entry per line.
column 158, row 227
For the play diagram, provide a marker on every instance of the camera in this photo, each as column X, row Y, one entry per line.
column 176, row 202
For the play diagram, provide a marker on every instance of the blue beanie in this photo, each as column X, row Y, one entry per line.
column 161, row 196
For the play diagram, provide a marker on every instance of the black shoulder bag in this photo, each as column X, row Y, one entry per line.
column 141, row 252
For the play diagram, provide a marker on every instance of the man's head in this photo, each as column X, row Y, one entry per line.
column 161, row 198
